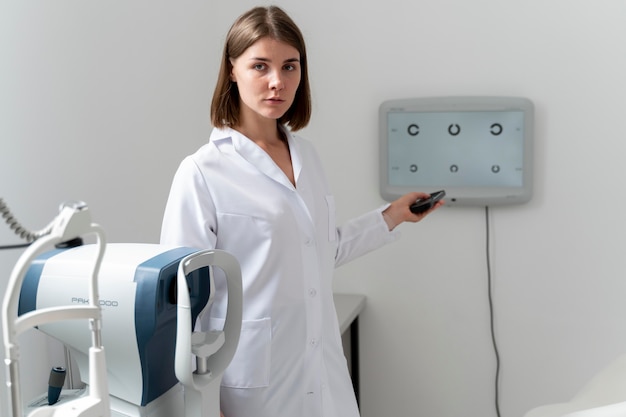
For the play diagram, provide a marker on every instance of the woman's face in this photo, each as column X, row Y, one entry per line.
column 267, row 75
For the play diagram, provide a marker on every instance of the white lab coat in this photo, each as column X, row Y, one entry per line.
column 230, row 195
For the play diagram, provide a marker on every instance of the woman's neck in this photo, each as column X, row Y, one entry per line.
column 260, row 130
column 268, row 135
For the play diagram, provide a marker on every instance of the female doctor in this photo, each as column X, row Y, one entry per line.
column 258, row 191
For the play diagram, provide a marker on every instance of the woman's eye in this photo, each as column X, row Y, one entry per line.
column 259, row 67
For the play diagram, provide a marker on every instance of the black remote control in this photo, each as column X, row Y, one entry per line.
column 424, row 204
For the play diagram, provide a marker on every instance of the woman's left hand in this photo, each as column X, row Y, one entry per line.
column 399, row 212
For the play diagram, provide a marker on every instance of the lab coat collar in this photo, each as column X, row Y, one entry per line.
column 256, row 156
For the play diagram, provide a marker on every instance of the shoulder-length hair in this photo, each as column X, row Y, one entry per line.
column 253, row 25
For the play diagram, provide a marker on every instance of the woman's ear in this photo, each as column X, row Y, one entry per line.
column 232, row 72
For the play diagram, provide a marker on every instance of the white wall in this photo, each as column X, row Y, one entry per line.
column 100, row 102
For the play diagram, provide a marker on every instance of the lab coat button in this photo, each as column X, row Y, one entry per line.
column 313, row 342
column 308, row 241
column 312, row 292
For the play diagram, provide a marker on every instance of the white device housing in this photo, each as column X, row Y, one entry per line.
column 72, row 222
column 146, row 326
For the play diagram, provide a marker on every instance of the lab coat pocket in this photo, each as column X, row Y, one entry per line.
column 250, row 367
column 332, row 227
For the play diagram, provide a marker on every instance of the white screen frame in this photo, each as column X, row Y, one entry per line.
column 513, row 121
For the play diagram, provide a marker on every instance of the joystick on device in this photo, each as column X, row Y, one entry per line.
column 424, row 204
column 55, row 384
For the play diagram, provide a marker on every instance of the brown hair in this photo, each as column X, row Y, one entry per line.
column 251, row 26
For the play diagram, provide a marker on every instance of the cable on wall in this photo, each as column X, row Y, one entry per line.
column 491, row 311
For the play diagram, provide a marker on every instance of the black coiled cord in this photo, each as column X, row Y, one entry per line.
column 20, row 230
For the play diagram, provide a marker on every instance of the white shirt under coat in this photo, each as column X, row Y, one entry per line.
column 230, row 195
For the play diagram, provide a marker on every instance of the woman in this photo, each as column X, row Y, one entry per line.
column 258, row 191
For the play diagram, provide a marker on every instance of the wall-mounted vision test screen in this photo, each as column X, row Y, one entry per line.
column 477, row 149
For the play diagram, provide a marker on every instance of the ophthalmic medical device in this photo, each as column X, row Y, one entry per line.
column 142, row 302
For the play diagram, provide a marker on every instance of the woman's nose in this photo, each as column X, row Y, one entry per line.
column 276, row 81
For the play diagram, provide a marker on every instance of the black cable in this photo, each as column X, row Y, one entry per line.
column 20, row 230
column 17, row 246
column 491, row 313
